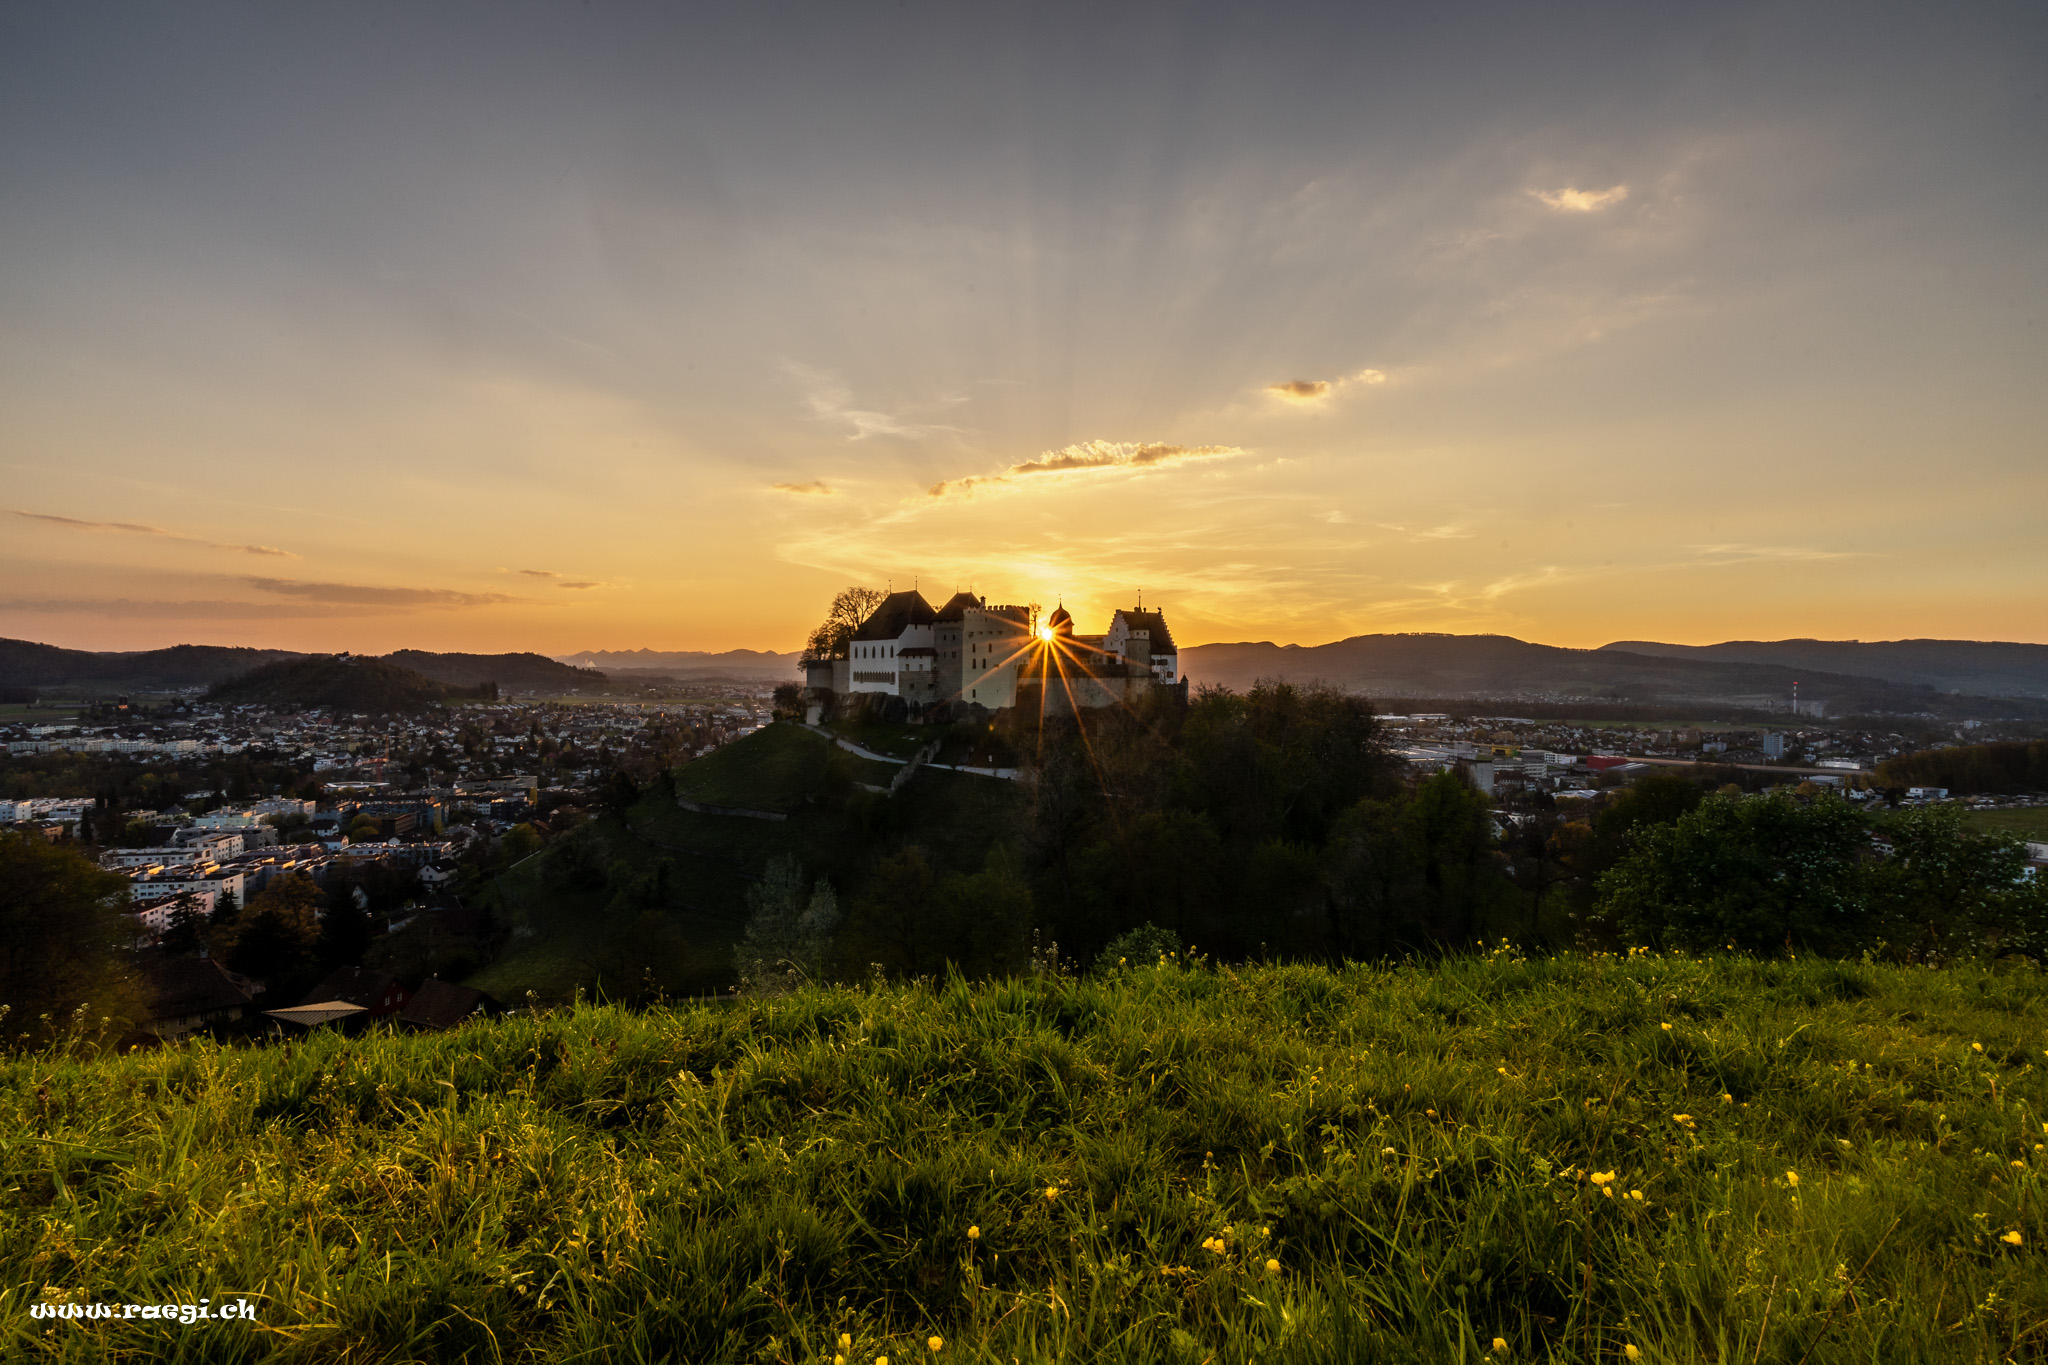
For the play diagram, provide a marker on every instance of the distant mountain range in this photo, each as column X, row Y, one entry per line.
column 27, row 664
column 1987, row 668
column 1938, row 677
column 691, row 663
column 1499, row 666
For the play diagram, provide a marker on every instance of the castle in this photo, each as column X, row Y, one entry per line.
column 994, row 656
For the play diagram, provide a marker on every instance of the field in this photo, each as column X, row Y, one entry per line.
column 1724, row 1160
column 2029, row 822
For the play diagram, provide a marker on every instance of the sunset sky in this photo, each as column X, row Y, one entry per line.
column 600, row 326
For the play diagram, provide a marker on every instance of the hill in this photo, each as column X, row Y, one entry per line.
column 1986, row 668
column 1586, row 1158
column 23, row 663
column 523, row 672
column 342, row 682
column 752, row 664
column 1500, row 666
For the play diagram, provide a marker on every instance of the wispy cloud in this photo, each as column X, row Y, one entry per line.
column 1570, row 200
column 1737, row 553
column 1090, row 455
column 579, row 585
column 365, row 595
column 815, row 488
column 136, row 528
column 540, row 573
column 830, row 399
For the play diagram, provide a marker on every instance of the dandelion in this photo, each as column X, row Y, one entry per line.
column 2012, row 1238
column 974, row 1233
column 935, row 1344
column 1792, row 1179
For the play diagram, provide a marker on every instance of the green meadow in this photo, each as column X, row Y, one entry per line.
column 1564, row 1159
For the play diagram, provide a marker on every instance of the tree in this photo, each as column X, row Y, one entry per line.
column 1764, row 874
column 344, row 931
column 278, row 929
column 62, row 923
column 789, row 931
column 848, row 610
column 1944, row 890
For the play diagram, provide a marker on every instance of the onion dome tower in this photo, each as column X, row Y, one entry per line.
column 1060, row 623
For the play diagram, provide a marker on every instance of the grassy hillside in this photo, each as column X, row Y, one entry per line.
column 1720, row 1161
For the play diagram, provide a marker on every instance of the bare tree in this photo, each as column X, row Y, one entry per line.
column 851, row 607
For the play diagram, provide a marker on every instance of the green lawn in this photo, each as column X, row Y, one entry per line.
column 1588, row 1159
column 777, row 768
column 893, row 741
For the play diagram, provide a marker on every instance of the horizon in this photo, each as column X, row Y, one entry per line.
column 475, row 331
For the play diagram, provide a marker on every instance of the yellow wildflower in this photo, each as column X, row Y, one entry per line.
column 1636, row 1195
column 1272, row 1266
column 1976, row 1047
column 846, row 1341
column 1500, row 1346
column 1727, row 1098
column 1667, row 1028
column 1052, row 1191
column 1602, row 1178
column 2021, row 1164
column 2012, row 1237
column 1632, row 1353
column 974, row 1233
column 935, row 1344
column 1685, row 1119
column 1792, row 1179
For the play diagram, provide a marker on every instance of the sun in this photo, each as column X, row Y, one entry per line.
column 1045, row 633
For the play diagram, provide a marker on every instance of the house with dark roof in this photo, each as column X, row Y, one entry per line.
column 378, row 993
column 186, row 994
column 441, row 1004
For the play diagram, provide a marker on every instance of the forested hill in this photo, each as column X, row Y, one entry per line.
column 524, row 672
column 342, row 682
column 24, row 663
column 1988, row 668
column 1430, row 665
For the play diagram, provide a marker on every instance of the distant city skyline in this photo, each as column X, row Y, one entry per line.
column 587, row 328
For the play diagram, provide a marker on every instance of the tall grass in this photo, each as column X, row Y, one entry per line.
column 1810, row 1162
